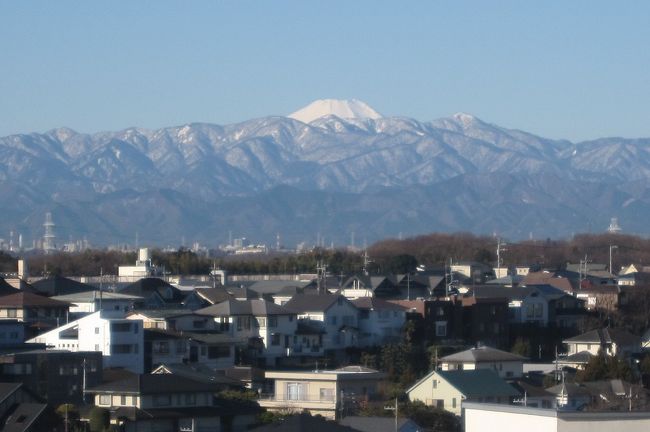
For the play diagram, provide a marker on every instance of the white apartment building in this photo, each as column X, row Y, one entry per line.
column 120, row 340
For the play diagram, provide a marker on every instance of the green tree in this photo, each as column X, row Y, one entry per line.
column 99, row 419
column 521, row 347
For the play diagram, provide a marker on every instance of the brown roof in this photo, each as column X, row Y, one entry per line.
column 546, row 278
column 23, row 299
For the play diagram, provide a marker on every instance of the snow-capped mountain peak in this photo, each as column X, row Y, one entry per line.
column 343, row 108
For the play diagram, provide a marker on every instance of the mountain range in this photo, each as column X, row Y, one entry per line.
column 326, row 171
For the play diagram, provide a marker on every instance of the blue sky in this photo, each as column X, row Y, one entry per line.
column 576, row 70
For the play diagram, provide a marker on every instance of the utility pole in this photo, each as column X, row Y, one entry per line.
column 396, row 409
column 610, row 257
column 408, row 286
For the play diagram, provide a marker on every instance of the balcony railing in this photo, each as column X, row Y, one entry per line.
column 298, row 398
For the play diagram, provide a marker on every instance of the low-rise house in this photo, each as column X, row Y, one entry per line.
column 60, row 285
column 358, row 286
column 473, row 272
column 156, row 293
column 172, row 319
column 22, row 410
column 505, row 364
column 449, row 389
column 86, row 302
column 203, row 297
column 201, row 373
column 156, row 402
column 58, row 376
column 338, row 315
column 379, row 321
column 321, row 392
column 36, row 311
column 121, row 341
column 167, row 346
column 12, row 334
column 268, row 328
column 611, row 342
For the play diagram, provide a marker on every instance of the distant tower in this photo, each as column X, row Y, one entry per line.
column 11, row 241
column 20, row 242
column 48, row 238
column 614, row 227
column 277, row 241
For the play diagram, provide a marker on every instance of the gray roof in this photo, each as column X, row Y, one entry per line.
column 482, row 354
column 579, row 357
column 162, row 313
column 519, row 293
column 255, row 307
column 88, row 296
column 374, row 303
column 377, row 424
column 197, row 372
column 606, row 336
column 277, row 286
column 312, row 303
column 152, row 384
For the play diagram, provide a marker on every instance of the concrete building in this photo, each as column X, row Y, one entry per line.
column 321, row 392
column 120, row 340
column 510, row 418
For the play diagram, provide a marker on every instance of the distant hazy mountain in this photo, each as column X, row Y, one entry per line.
column 343, row 169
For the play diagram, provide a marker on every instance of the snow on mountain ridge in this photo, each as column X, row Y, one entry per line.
column 345, row 109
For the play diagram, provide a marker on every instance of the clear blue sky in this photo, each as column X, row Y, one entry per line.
column 576, row 70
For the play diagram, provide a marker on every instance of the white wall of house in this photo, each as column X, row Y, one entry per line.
column 380, row 326
column 434, row 391
column 509, row 369
column 341, row 313
column 121, row 341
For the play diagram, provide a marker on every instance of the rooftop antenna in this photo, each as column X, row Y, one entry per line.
column 366, row 261
column 321, row 272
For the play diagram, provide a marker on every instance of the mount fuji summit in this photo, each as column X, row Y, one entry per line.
column 344, row 109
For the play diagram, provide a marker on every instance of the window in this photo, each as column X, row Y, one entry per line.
column 96, row 347
column 327, row 394
column 333, row 320
column 162, row 400
column 218, row 352
column 440, row 311
column 441, row 329
column 434, row 383
column 123, row 400
column 190, row 399
column 199, row 324
column 104, row 399
column 260, row 321
column 161, row 347
column 243, row 323
column 453, row 402
column 121, row 349
column 275, row 339
column 530, row 311
column 120, row 327
column 296, row 391
column 11, row 313
column 538, row 310
column 273, row 322
column 348, row 320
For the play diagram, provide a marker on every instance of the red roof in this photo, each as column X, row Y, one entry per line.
column 23, row 299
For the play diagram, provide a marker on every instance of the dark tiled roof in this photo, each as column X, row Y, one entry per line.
column 7, row 389
column 255, row 307
column 244, row 373
column 213, row 295
column 199, row 372
column 312, row 303
column 6, row 289
column 147, row 286
column 59, row 285
column 23, row 417
column 152, row 384
column 375, row 303
column 23, row 299
column 606, row 336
